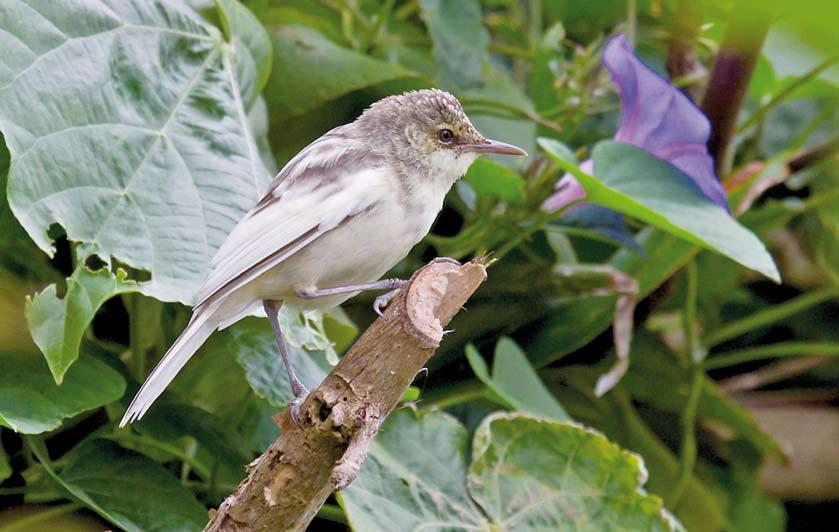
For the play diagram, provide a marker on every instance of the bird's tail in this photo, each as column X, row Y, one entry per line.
column 196, row 333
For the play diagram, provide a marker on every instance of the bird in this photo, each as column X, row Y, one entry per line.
column 340, row 214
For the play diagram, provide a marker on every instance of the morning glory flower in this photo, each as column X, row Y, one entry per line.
column 656, row 117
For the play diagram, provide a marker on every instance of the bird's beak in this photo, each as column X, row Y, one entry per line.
column 494, row 146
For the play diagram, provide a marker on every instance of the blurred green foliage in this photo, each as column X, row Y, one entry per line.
column 134, row 139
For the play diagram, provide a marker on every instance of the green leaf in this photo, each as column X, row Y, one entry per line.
column 526, row 474
column 631, row 181
column 702, row 509
column 58, row 324
column 494, row 180
column 255, row 348
column 310, row 70
column 31, row 402
column 515, row 382
column 127, row 128
column 216, row 368
column 252, row 48
column 460, row 39
column 147, row 158
column 126, row 488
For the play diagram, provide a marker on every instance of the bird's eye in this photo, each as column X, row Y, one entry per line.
column 445, row 135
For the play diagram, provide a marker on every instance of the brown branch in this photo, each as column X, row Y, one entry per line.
column 288, row 484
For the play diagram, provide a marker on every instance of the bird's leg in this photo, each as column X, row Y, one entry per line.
column 297, row 387
column 384, row 284
column 392, row 285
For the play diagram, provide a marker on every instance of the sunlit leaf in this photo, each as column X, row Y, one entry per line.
column 57, row 324
column 128, row 128
column 494, row 180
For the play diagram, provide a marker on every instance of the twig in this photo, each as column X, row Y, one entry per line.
column 770, row 374
column 288, row 484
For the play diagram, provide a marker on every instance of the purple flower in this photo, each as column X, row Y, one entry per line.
column 656, row 117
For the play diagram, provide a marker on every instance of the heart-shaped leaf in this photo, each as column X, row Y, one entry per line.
column 129, row 128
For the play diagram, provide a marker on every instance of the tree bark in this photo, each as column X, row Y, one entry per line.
column 286, row 486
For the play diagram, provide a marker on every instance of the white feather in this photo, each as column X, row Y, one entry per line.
column 195, row 334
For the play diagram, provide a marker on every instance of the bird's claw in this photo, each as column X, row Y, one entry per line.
column 381, row 302
column 294, row 407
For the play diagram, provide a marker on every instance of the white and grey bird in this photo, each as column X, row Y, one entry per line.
column 337, row 217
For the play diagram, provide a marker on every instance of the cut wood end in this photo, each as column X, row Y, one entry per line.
column 435, row 294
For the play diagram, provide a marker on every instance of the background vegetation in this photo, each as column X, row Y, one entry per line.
column 137, row 132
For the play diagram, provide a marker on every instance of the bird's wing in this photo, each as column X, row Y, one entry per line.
column 326, row 184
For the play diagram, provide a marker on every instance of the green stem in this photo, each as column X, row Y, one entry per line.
column 30, row 522
column 782, row 95
column 176, row 452
column 631, row 20
column 454, row 395
column 770, row 315
column 135, row 334
column 783, row 349
column 513, row 110
column 694, row 353
column 687, row 455
column 332, row 512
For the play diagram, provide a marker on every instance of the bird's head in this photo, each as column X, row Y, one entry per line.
column 427, row 130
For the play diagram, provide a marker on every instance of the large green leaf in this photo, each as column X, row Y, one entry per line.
column 631, row 181
column 126, row 488
column 526, row 474
column 127, row 127
column 252, row 49
column 310, row 70
column 58, row 324
column 460, row 39
column 514, row 383
column 31, row 402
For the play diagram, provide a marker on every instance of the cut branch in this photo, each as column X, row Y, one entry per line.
column 287, row 485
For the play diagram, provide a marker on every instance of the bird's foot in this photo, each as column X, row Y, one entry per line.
column 381, row 302
column 300, row 394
